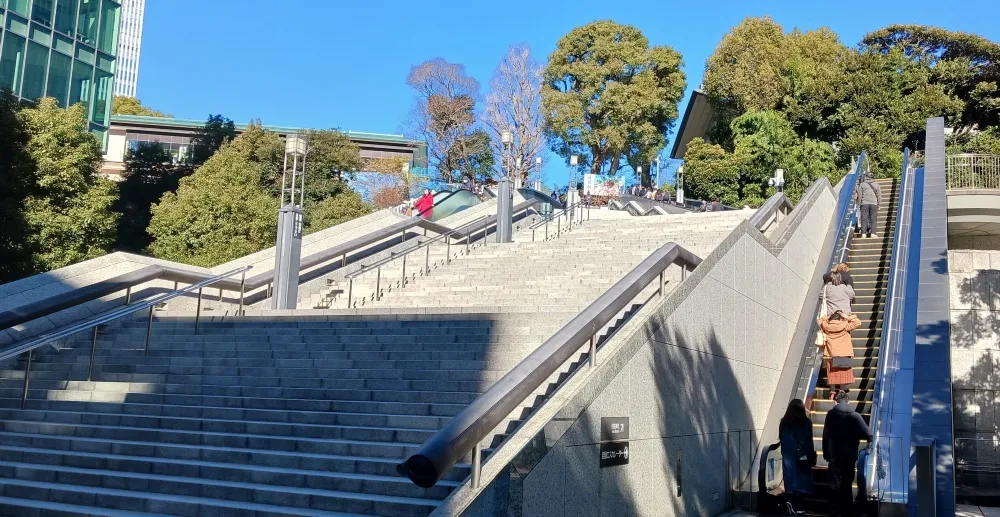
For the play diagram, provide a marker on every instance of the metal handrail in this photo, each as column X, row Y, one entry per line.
column 467, row 230
column 465, row 432
column 846, row 217
column 972, row 171
column 427, row 243
column 892, row 317
column 149, row 304
column 565, row 213
column 775, row 206
column 126, row 282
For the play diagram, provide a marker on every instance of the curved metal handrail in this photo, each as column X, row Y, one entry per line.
column 464, row 432
column 775, row 205
column 33, row 344
column 891, row 338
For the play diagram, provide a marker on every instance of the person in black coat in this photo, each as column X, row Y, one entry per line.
column 798, row 456
column 842, row 433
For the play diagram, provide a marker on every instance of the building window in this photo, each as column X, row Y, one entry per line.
column 18, row 6
column 109, row 26
column 41, row 12
column 11, row 61
column 87, row 26
column 80, row 86
column 103, row 82
column 59, row 68
column 66, row 16
column 34, row 71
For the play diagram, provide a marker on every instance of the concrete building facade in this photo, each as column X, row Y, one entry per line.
column 127, row 131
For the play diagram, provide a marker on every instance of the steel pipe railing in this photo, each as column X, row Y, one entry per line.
column 464, row 433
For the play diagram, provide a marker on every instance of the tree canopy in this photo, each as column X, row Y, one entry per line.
column 148, row 175
column 609, row 97
column 216, row 131
column 17, row 182
column 69, row 210
column 133, row 106
column 224, row 210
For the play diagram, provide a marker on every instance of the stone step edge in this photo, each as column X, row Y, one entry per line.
column 210, row 464
column 75, row 509
column 224, row 504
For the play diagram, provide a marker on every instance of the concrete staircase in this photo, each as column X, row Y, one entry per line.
column 305, row 413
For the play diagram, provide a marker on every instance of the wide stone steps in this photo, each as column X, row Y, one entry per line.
column 306, row 413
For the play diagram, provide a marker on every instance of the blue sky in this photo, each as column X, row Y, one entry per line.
column 341, row 63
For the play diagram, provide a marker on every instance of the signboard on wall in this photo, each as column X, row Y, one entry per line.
column 614, row 441
column 602, row 185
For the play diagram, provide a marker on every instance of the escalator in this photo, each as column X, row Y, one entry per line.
column 869, row 260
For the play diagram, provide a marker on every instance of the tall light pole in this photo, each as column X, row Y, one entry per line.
column 288, row 249
column 505, row 193
column 657, row 162
column 638, row 172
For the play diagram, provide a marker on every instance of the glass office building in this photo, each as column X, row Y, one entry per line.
column 63, row 49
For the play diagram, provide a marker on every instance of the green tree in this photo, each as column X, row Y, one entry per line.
column 478, row 165
column 885, row 102
column 985, row 142
column 70, row 211
column 340, row 208
column 17, row 181
column 224, row 210
column 216, row 131
column 148, row 175
column 133, row 106
column 609, row 97
column 332, row 159
column 966, row 65
column 757, row 67
column 711, row 173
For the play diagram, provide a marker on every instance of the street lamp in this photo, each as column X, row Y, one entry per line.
column 288, row 248
column 657, row 162
column 778, row 181
column 505, row 192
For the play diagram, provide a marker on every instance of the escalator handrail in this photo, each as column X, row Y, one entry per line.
column 845, row 215
column 889, row 341
column 437, row 204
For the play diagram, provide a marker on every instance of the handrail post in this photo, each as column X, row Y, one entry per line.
column 350, row 291
column 468, row 238
column 27, row 373
column 593, row 351
column 477, row 465
column 684, row 272
column 547, row 228
column 485, row 222
column 403, row 283
column 93, row 351
column 243, row 284
column 128, row 295
column 659, row 289
column 558, row 227
column 532, row 235
column 447, row 250
column 149, row 330
column 197, row 312
column 427, row 260
column 343, row 260
column 378, row 283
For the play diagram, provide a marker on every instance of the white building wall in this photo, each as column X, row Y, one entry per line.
column 129, row 44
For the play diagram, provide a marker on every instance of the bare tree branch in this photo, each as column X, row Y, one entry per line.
column 513, row 104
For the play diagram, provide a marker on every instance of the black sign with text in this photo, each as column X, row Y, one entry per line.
column 614, row 454
column 614, row 428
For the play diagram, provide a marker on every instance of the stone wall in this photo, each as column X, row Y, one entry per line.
column 975, row 353
column 695, row 376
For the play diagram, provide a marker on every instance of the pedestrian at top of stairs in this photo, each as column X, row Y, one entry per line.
column 869, row 196
column 838, row 294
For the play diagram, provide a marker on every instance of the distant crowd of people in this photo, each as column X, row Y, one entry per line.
column 651, row 194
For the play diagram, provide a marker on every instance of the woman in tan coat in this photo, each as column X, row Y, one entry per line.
column 837, row 327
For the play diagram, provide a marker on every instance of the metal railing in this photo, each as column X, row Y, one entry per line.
column 890, row 342
column 94, row 323
column 466, row 232
column 771, row 212
column 464, row 433
column 973, row 171
column 566, row 213
column 126, row 282
column 846, row 220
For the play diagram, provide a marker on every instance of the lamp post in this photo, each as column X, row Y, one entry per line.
column 679, row 180
column 574, row 161
column 288, row 249
column 778, row 181
column 638, row 172
column 657, row 162
column 505, row 193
